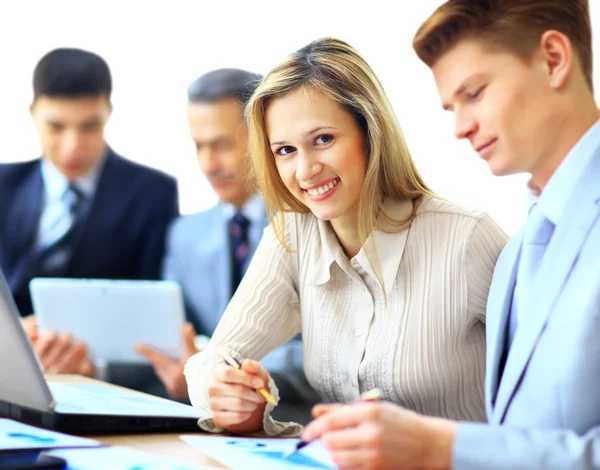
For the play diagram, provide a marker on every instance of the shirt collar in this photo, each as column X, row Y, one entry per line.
column 555, row 195
column 253, row 209
column 56, row 183
column 384, row 248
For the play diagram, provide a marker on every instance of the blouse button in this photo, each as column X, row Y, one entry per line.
column 358, row 332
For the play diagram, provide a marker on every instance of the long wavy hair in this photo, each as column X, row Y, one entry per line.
column 335, row 69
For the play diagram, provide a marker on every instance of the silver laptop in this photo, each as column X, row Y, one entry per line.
column 86, row 408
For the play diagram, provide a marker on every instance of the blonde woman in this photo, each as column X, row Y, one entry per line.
column 386, row 282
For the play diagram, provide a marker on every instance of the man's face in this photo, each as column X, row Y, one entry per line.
column 221, row 139
column 71, row 131
column 501, row 105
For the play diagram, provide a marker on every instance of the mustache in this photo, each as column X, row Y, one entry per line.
column 222, row 176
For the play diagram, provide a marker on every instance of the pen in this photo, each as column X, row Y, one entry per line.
column 236, row 365
column 371, row 395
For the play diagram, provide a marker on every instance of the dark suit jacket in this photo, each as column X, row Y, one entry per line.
column 122, row 236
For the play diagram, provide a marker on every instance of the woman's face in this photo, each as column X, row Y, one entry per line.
column 320, row 152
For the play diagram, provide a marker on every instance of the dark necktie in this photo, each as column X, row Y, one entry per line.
column 240, row 247
column 55, row 254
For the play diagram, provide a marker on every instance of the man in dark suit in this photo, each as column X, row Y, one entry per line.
column 80, row 210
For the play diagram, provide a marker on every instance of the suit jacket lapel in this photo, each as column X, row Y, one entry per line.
column 499, row 304
column 559, row 259
column 24, row 216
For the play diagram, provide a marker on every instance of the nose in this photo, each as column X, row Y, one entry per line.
column 465, row 126
column 308, row 166
column 71, row 143
column 207, row 159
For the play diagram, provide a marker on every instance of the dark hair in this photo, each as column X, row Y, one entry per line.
column 224, row 83
column 71, row 73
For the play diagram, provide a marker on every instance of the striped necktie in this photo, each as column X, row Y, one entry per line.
column 55, row 244
column 240, row 247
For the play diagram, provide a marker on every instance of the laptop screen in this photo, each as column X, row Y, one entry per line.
column 22, row 381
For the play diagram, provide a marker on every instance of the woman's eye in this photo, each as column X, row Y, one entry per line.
column 324, row 139
column 285, row 150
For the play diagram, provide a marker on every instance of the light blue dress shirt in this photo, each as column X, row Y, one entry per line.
column 54, row 203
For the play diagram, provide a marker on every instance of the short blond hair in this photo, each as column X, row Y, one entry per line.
column 513, row 25
column 334, row 68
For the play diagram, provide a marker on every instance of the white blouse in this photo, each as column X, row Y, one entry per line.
column 416, row 332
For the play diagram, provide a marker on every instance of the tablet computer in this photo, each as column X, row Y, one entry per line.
column 112, row 316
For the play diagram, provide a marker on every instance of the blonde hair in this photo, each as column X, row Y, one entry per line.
column 513, row 25
column 334, row 68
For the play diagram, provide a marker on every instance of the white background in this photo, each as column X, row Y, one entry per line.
column 155, row 49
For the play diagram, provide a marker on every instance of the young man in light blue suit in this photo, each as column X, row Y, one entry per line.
column 517, row 74
column 208, row 253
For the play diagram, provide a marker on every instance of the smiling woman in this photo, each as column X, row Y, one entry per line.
column 386, row 282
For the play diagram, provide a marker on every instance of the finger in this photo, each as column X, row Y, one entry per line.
column 233, row 404
column 188, row 335
column 157, row 359
column 230, row 375
column 368, row 435
column 221, row 389
column 44, row 344
column 30, row 326
column 322, row 408
column 60, row 347
column 253, row 367
column 341, row 418
column 71, row 360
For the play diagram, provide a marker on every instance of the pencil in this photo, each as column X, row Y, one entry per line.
column 236, row 365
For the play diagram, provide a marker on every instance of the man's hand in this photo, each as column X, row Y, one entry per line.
column 58, row 354
column 30, row 326
column 382, row 436
column 169, row 370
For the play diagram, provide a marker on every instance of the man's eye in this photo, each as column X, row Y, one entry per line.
column 476, row 94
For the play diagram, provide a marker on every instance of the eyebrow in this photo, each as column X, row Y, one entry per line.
column 57, row 122
column 306, row 135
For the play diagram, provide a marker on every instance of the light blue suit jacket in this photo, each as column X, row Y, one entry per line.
column 544, row 411
column 198, row 257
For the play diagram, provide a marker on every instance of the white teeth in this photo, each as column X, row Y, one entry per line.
column 323, row 189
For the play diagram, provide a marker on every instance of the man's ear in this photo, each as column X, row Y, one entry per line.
column 556, row 51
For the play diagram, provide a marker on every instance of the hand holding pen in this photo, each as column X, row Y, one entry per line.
column 230, row 360
column 319, row 410
column 369, row 434
column 234, row 397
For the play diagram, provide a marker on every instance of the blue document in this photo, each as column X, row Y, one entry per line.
column 242, row 453
column 15, row 435
column 119, row 458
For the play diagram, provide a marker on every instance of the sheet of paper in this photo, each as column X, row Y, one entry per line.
column 15, row 435
column 120, row 458
column 241, row 453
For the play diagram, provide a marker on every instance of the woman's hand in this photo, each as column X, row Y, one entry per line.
column 233, row 399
